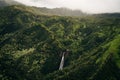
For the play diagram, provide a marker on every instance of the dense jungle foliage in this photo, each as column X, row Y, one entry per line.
column 31, row 44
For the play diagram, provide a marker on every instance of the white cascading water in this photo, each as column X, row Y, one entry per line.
column 62, row 61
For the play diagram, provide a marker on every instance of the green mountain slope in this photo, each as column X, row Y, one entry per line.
column 44, row 10
column 31, row 44
column 61, row 11
column 8, row 3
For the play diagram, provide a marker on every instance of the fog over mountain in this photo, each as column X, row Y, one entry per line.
column 91, row 6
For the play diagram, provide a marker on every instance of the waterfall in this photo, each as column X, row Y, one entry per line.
column 62, row 61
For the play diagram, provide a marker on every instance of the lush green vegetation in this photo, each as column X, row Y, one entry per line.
column 31, row 44
column 8, row 3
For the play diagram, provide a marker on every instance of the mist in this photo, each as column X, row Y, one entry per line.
column 89, row 6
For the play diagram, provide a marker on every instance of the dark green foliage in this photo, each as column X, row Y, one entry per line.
column 31, row 46
column 8, row 3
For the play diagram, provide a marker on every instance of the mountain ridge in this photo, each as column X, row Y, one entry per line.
column 8, row 3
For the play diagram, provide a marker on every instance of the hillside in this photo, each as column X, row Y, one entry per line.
column 54, row 11
column 8, row 3
column 44, row 10
column 61, row 11
column 31, row 44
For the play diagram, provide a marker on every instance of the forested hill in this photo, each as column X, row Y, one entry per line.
column 31, row 44
column 61, row 11
column 8, row 3
column 44, row 10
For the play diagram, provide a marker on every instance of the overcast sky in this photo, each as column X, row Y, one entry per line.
column 91, row 6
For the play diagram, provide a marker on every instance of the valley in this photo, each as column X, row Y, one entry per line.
column 32, row 42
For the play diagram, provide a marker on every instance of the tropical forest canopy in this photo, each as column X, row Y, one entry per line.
column 32, row 40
